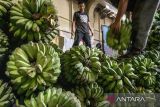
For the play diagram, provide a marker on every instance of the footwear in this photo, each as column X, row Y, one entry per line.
column 131, row 53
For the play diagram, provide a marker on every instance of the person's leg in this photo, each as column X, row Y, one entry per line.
column 142, row 18
column 78, row 37
column 87, row 40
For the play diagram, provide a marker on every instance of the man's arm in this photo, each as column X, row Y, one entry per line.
column 89, row 24
column 122, row 7
column 73, row 26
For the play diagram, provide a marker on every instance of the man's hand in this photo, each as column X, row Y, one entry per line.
column 72, row 34
column 122, row 7
column 92, row 32
column 116, row 26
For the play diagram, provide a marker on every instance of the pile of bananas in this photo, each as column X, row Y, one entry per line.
column 120, row 41
column 32, row 67
column 34, row 20
column 4, row 43
column 90, row 95
column 54, row 97
column 5, row 5
column 118, row 78
column 155, row 56
column 81, row 65
column 6, row 95
column 145, row 69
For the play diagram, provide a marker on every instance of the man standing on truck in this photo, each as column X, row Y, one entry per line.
column 142, row 16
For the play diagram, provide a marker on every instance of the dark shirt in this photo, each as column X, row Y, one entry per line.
column 82, row 20
column 131, row 4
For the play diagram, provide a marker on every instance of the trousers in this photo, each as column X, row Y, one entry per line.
column 142, row 18
column 82, row 36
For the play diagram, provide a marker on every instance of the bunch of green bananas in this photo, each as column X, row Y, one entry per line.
column 6, row 95
column 33, row 67
column 90, row 95
column 5, row 5
column 117, row 78
column 107, row 62
column 154, row 55
column 146, row 70
column 4, row 43
column 34, row 20
column 53, row 97
column 57, row 49
column 120, row 41
column 81, row 64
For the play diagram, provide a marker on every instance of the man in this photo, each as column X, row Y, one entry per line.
column 81, row 26
column 142, row 16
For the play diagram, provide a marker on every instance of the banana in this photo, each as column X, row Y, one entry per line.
column 132, row 75
column 78, row 65
column 92, row 77
column 29, row 25
column 94, row 59
column 14, row 18
column 11, row 63
column 17, row 33
column 11, row 67
column 22, row 21
column 19, row 80
column 35, row 27
column 112, row 71
column 16, row 9
column 119, row 71
column 48, row 95
column 96, row 65
column 40, row 100
column 13, row 73
column 16, row 12
column 107, row 64
column 2, row 9
column 103, row 104
column 119, row 84
column 25, row 85
column 2, row 88
column 111, row 86
column 6, row 4
column 109, row 78
column 20, row 63
column 127, row 81
column 33, row 102
column 21, row 55
column 26, row 13
column 126, row 90
column 29, row 51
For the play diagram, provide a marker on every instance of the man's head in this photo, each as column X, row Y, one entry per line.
column 81, row 5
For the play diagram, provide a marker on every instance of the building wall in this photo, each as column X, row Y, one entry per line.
column 65, row 13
